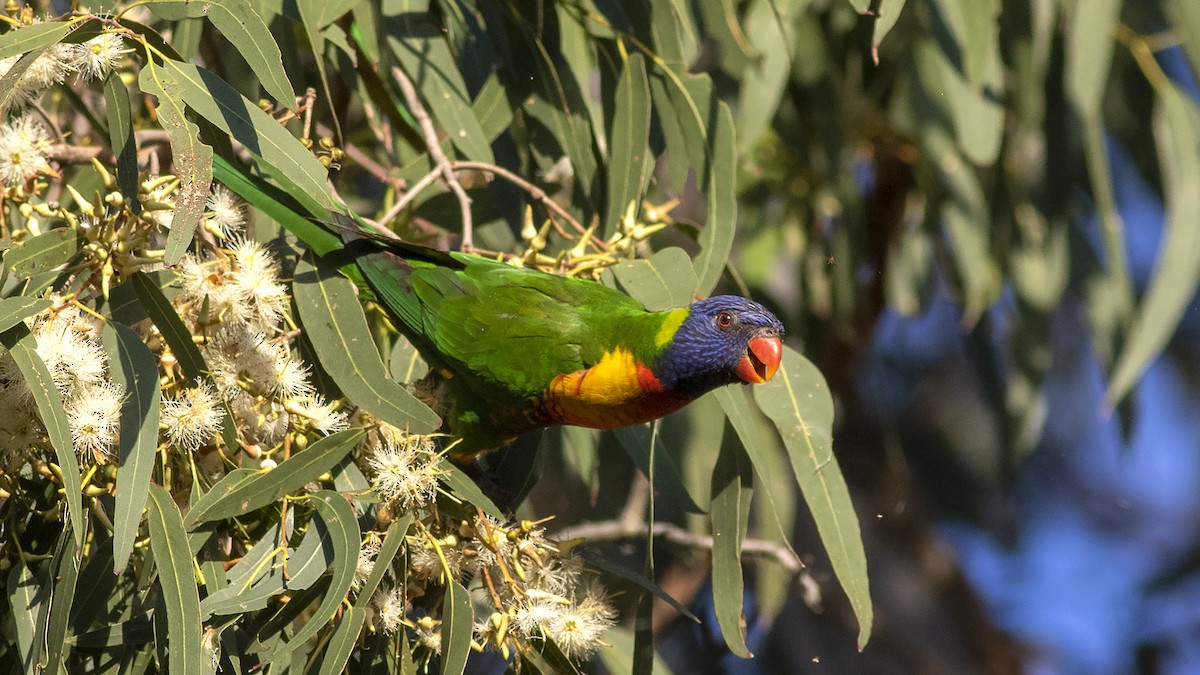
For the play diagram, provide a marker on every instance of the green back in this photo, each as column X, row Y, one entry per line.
column 506, row 332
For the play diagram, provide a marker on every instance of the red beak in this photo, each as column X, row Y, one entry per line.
column 761, row 360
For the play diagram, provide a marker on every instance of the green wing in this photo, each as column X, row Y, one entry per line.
column 504, row 332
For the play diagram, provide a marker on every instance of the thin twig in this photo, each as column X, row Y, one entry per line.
column 615, row 530
column 534, row 191
column 435, row 152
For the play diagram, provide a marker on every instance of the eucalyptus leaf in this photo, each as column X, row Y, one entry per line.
column 132, row 365
column 797, row 400
column 180, row 596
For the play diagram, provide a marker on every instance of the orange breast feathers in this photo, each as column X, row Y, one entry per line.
column 616, row 392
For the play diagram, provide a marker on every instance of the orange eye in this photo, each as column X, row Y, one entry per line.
column 724, row 320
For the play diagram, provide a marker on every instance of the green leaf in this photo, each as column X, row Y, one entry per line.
column 335, row 323
column 14, row 310
column 629, row 158
column 24, row 601
column 798, row 401
column 972, row 39
column 133, row 366
column 464, row 488
column 240, row 493
column 121, row 138
column 1089, row 52
column 1177, row 270
column 425, row 58
column 637, row 441
column 42, row 253
column 732, row 487
column 664, row 281
column 765, row 78
column 36, row 36
column 341, row 644
column 392, row 541
column 178, row 337
column 244, row 28
column 54, row 615
column 716, row 239
column 23, row 347
column 290, row 211
column 219, row 103
column 457, row 622
column 191, row 157
column 337, row 515
column 168, row 541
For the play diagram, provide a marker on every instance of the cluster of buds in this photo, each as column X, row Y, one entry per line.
column 587, row 257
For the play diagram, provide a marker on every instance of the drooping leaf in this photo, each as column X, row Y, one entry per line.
column 22, row 345
column 457, row 624
column 335, row 323
column 240, row 493
column 53, row 616
column 343, row 641
column 464, row 488
column 24, row 601
column 339, row 518
column 392, row 541
column 172, row 328
column 191, row 157
column 121, row 138
column 798, row 401
column 168, row 541
column 1177, row 270
column 732, row 486
column 618, row 658
column 629, row 158
column 132, row 365
column 238, row 21
column 282, row 153
column 716, row 239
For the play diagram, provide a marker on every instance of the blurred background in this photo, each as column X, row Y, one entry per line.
column 988, row 241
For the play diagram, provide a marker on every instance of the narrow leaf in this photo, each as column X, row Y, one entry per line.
column 23, row 601
column 392, row 541
column 64, row 573
column 168, row 541
column 716, row 239
column 239, row 493
column 1177, row 270
column 335, row 323
column 133, row 366
column 219, row 103
column 42, row 253
column 464, row 488
column 14, row 310
column 798, row 401
column 457, row 622
column 732, row 485
column 345, row 637
column 629, row 159
column 244, row 28
column 120, row 136
column 36, row 36
column 339, row 518
column 192, row 158
column 176, row 334
column 23, row 347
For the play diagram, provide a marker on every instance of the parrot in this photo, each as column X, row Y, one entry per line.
column 512, row 349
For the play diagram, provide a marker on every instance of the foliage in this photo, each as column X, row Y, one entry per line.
column 202, row 450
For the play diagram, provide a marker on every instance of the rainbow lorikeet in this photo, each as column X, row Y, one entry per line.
column 513, row 349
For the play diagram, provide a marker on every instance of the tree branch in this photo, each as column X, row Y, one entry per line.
column 435, row 152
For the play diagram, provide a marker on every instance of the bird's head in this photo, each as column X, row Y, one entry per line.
column 724, row 339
